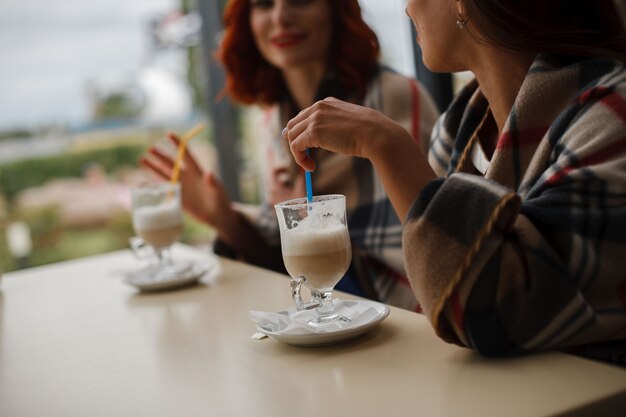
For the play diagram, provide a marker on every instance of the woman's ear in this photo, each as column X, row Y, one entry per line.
column 460, row 8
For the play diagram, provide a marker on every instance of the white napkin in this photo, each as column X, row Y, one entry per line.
column 295, row 322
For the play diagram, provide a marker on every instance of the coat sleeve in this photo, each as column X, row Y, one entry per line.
column 508, row 271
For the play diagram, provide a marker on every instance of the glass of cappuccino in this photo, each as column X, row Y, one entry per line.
column 316, row 250
column 158, row 221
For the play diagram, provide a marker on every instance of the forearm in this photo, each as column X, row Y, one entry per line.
column 240, row 235
column 402, row 167
column 504, row 277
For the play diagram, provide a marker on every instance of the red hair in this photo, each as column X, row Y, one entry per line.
column 250, row 79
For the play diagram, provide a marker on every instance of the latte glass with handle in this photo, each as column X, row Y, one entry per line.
column 158, row 222
column 316, row 251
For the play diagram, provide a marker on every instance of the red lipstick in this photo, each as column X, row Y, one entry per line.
column 286, row 39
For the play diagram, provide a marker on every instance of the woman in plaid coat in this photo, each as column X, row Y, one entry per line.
column 515, row 216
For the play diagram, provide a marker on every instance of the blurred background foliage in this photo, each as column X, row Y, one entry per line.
column 52, row 240
column 20, row 175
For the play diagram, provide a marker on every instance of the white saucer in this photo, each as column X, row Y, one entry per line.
column 307, row 336
column 145, row 280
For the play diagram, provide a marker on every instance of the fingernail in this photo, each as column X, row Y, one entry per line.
column 284, row 131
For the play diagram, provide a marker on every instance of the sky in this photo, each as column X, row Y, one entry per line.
column 393, row 27
column 52, row 50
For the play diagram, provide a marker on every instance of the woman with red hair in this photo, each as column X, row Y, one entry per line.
column 284, row 55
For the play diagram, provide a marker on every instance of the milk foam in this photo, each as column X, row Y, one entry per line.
column 304, row 241
column 167, row 214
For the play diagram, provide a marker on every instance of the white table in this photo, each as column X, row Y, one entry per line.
column 75, row 340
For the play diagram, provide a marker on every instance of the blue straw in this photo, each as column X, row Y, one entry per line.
column 307, row 177
column 309, row 187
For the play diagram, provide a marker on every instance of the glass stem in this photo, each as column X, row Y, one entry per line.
column 326, row 309
column 163, row 257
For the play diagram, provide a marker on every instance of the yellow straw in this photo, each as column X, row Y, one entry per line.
column 181, row 150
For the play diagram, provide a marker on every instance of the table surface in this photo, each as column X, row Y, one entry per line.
column 75, row 340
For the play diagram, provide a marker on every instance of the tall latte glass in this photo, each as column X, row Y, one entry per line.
column 316, row 250
column 158, row 221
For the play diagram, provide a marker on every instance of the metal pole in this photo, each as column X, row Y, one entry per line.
column 222, row 112
column 438, row 85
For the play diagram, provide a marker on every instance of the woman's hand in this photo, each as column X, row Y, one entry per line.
column 354, row 130
column 203, row 195
column 339, row 127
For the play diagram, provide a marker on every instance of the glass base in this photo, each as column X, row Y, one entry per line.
column 326, row 317
column 327, row 322
column 170, row 271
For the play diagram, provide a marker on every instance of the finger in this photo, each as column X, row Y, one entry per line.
column 173, row 137
column 162, row 157
column 302, row 159
column 328, row 102
column 294, row 131
column 304, row 114
column 299, row 138
column 306, row 126
column 209, row 179
column 302, row 120
column 212, row 181
column 188, row 158
column 191, row 162
column 155, row 167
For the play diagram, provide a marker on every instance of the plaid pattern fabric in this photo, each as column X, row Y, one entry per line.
column 375, row 229
column 532, row 255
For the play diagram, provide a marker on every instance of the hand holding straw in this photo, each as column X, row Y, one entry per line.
column 181, row 150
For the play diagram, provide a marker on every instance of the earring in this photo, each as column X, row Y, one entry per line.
column 461, row 23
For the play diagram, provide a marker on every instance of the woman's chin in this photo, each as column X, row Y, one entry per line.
column 438, row 65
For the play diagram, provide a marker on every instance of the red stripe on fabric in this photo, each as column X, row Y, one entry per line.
column 415, row 114
column 402, row 280
column 592, row 94
column 557, row 177
column 457, row 310
column 610, row 99
column 608, row 152
column 524, row 137
column 617, row 104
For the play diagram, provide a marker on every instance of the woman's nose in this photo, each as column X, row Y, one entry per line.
column 283, row 12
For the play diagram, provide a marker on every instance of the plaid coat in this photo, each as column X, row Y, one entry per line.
column 532, row 255
column 375, row 230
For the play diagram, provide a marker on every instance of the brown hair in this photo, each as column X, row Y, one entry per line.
column 579, row 28
column 250, row 79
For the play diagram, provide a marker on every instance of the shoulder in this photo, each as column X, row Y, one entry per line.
column 600, row 92
column 397, row 88
column 400, row 97
column 588, row 80
column 395, row 82
column 589, row 132
column 388, row 89
column 603, row 81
